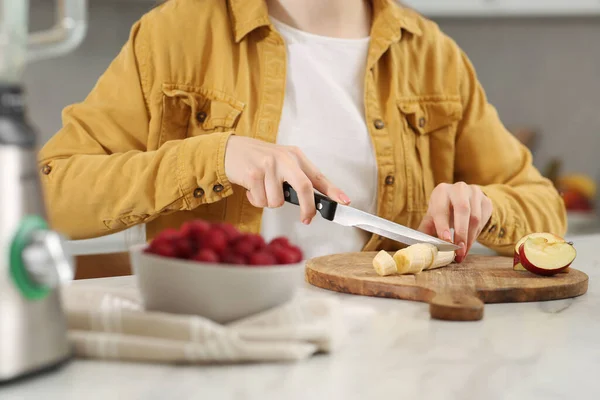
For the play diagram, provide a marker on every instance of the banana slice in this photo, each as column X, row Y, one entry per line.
column 415, row 258
column 442, row 259
column 384, row 264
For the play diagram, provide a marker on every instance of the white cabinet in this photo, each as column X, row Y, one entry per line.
column 491, row 8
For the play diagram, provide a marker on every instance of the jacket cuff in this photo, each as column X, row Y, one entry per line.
column 502, row 231
column 201, row 169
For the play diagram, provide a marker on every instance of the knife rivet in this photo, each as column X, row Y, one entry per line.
column 286, row 193
column 319, row 206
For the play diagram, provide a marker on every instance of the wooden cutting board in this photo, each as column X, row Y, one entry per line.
column 456, row 292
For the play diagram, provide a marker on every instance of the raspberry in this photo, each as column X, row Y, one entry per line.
column 243, row 248
column 206, row 255
column 169, row 235
column 255, row 241
column 230, row 231
column 280, row 241
column 215, row 240
column 284, row 255
column 262, row 258
column 258, row 241
column 230, row 258
column 166, row 243
column 195, row 230
column 184, row 248
column 298, row 253
column 163, row 249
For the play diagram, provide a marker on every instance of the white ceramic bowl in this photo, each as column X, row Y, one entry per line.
column 219, row 292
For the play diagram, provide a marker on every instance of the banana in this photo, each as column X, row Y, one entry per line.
column 384, row 264
column 581, row 183
column 443, row 259
column 415, row 258
column 411, row 260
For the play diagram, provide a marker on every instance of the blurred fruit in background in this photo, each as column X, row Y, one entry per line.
column 578, row 192
column 578, row 183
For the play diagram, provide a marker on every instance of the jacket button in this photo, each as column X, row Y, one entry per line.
column 201, row 116
column 379, row 124
column 46, row 169
column 198, row 192
column 422, row 122
column 218, row 188
column 389, row 180
column 501, row 233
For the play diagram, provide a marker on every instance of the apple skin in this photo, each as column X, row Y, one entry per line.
column 517, row 265
column 576, row 201
column 539, row 271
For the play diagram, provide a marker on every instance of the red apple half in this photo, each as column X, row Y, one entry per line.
column 552, row 238
column 539, row 256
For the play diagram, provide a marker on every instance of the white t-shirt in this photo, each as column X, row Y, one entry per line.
column 323, row 115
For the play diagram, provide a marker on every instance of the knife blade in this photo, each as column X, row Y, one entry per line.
column 352, row 217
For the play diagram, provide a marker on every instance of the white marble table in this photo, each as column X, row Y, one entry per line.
column 547, row 351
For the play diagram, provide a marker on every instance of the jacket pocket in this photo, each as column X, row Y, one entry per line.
column 191, row 111
column 426, row 118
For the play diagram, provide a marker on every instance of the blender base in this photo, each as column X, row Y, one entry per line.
column 38, row 372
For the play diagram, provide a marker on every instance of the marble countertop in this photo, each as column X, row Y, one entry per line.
column 548, row 350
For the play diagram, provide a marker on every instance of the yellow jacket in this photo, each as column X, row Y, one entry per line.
column 147, row 145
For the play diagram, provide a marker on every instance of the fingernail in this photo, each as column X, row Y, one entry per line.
column 345, row 199
column 306, row 221
column 446, row 236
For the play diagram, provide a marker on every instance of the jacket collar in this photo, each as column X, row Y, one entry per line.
column 389, row 19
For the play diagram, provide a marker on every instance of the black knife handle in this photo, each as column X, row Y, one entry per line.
column 324, row 204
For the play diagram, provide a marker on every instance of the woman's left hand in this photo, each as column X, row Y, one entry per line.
column 460, row 206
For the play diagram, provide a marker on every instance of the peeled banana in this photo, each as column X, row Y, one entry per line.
column 443, row 259
column 411, row 260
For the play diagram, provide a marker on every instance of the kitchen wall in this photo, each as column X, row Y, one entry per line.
column 539, row 73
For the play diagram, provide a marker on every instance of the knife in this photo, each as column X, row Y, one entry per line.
column 352, row 217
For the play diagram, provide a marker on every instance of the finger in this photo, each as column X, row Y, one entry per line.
column 427, row 225
column 254, row 202
column 439, row 209
column 461, row 205
column 273, row 188
column 249, row 197
column 306, row 194
column 318, row 180
column 256, row 187
column 475, row 219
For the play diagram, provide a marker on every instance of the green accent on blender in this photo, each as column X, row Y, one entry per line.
column 29, row 289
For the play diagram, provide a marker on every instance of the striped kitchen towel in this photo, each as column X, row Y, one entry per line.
column 112, row 324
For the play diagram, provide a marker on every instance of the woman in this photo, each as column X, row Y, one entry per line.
column 211, row 105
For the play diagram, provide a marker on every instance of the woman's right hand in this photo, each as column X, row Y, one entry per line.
column 262, row 167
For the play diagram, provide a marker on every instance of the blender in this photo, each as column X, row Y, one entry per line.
column 34, row 264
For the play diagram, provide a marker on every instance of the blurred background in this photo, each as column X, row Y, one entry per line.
column 539, row 67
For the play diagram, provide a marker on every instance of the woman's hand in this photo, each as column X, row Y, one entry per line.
column 460, row 206
column 262, row 167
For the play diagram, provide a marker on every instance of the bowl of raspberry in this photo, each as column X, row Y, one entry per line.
column 216, row 271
